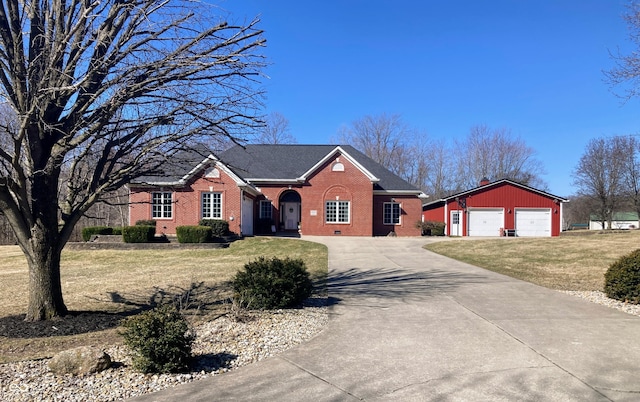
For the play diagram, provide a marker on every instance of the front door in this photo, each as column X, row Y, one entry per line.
column 291, row 215
column 456, row 223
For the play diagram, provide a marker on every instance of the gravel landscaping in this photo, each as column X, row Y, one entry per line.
column 221, row 345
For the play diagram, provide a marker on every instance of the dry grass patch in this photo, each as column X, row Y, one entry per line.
column 571, row 262
column 129, row 281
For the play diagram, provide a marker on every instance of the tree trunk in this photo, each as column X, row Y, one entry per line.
column 43, row 251
column 45, row 289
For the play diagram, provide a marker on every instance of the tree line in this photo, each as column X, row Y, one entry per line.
column 608, row 179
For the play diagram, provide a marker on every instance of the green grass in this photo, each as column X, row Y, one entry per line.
column 569, row 262
column 123, row 280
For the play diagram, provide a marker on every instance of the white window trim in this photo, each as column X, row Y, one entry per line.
column 202, row 196
column 384, row 215
column 337, row 204
column 166, row 199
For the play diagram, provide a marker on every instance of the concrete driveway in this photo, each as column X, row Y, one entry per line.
column 409, row 325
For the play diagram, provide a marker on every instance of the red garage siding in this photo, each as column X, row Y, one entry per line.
column 504, row 194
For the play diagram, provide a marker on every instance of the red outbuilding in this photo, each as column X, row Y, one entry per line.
column 501, row 208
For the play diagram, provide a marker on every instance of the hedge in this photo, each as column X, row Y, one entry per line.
column 138, row 234
column 193, row 234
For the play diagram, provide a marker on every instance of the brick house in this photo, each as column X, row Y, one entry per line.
column 311, row 189
column 498, row 208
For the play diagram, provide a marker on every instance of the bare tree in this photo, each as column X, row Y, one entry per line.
column 496, row 154
column 626, row 73
column 600, row 173
column 275, row 131
column 630, row 165
column 102, row 91
column 383, row 138
column 578, row 211
column 441, row 165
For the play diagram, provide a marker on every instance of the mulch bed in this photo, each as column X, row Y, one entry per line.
column 74, row 323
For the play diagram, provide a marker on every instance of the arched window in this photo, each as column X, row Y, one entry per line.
column 337, row 167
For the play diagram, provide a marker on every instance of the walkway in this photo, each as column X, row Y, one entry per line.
column 409, row 325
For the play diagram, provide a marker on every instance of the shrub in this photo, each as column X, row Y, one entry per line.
column 95, row 230
column 272, row 283
column 622, row 279
column 193, row 234
column 431, row 228
column 138, row 234
column 160, row 340
column 146, row 222
column 218, row 227
column 117, row 231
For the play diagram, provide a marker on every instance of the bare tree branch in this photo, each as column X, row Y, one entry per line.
column 100, row 90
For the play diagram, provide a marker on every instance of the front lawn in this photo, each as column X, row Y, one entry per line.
column 107, row 284
column 573, row 261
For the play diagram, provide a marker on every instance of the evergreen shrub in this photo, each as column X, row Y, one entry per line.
column 219, row 227
column 431, row 228
column 95, row 230
column 193, row 234
column 146, row 222
column 272, row 283
column 160, row 340
column 138, row 234
column 622, row 279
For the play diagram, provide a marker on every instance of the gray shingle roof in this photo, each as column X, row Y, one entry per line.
column 265, row 162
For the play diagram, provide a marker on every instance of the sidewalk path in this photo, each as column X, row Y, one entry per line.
column 409, row 325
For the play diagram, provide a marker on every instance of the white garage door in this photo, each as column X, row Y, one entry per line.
column 533, row 222
column 485, row 222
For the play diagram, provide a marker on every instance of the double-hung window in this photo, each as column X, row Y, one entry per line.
column 391, row 213
column 337, row 211
column 265, row 210
column 212, row 205
column 162, row 205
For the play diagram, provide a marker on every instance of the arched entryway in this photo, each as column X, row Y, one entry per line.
column 290, row 206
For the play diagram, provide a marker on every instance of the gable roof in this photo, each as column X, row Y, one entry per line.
column 256, row 164
column 617, row 216
column 495, row 184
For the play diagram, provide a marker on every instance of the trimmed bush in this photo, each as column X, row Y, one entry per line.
column 218, row 227
column 193, row 234
column 95, row 230
column 117, row 231
column 138, row 234
column 146, row 222
column 160, row 340
column 622, row 279
column 431, row 228
column 272, row 284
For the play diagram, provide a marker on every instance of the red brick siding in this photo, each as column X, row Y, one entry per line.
column 410, row 209
column 366, row 210
column 187, row 203
column 325, row 185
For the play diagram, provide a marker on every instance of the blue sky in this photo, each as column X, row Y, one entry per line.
column 534, row 67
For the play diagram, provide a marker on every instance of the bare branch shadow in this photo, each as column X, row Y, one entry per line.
column 394, row 283
column 195, row 299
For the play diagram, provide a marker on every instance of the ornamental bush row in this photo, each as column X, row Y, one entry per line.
column 144, row 231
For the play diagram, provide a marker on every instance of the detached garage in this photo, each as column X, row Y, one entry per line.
column 501, row 208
